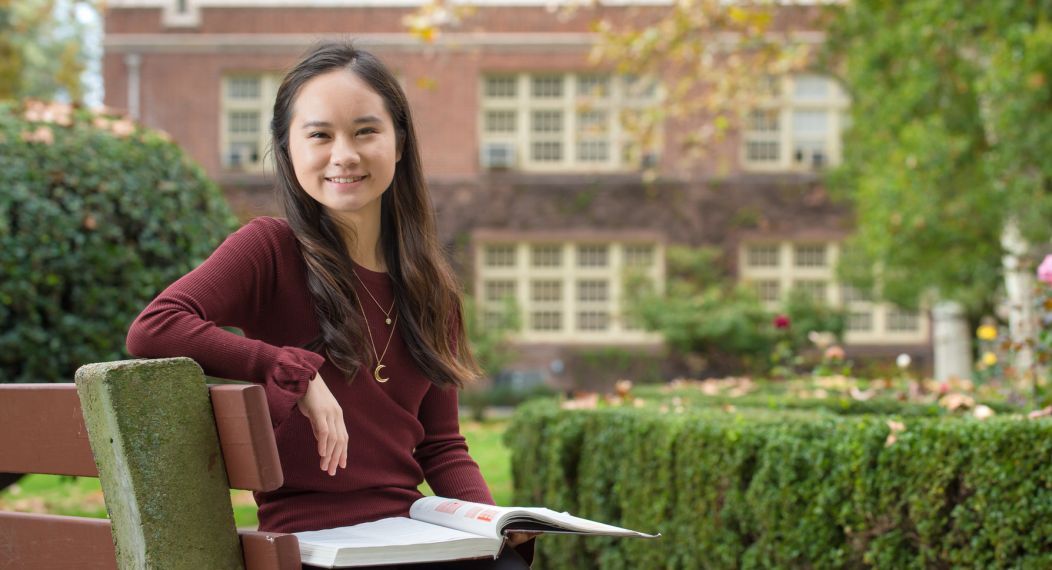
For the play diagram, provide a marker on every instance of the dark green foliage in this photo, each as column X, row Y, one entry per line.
column 756, row 488
column 96, row 217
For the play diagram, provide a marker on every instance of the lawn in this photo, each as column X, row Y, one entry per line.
column 82, row 496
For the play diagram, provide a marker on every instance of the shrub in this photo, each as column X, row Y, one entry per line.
column 787, row 488
column 97, row 215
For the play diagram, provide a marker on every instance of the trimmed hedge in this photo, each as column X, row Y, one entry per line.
column 787, row 489
column 97, row 215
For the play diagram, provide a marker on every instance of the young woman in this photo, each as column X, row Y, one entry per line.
column 351, row 316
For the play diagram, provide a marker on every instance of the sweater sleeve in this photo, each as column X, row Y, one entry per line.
column 443, row 454
column 232, row 287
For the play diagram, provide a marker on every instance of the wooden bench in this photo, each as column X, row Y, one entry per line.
column 167, row 448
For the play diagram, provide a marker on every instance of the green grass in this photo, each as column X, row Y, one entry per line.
column 82, row 496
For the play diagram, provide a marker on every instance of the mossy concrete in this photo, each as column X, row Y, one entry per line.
column 153, row 434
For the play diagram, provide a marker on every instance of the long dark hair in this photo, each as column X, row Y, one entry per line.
column 425, row 289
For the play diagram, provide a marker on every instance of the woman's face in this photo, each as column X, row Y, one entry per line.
column 343, row 145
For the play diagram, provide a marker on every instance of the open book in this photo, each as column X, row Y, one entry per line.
column 439, row 529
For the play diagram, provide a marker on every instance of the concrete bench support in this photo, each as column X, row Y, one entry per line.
column 154, row 439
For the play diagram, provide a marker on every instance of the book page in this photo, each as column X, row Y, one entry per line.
column 477, row 518
column 489, row 520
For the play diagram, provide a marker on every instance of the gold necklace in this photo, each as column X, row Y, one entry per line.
column 386, row 313
column 379, row 357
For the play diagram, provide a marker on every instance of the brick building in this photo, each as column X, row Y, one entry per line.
column 538, row 197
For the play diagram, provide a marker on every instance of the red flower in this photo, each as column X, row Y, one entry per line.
column 781, row 321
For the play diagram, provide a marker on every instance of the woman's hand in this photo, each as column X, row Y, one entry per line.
column 516, row 538
column 326, row 418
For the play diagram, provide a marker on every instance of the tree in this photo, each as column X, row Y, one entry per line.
column 949, row 158
column 41, row 54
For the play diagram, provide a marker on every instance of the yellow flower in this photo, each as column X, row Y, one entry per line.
column 987, row 332
column 989, row 358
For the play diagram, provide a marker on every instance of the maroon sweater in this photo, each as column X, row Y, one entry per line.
column 401, row 432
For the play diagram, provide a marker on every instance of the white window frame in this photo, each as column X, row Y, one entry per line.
column 784, row 103
column 263, row 105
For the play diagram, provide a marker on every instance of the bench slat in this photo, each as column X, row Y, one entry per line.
column 55, row 542
column 42, row 431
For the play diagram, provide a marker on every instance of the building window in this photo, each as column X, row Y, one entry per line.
column 809, row 255
column 593, row 320
column 797, row 127
column 899, row 320
column 592, row 255
column 500, row 256
column 762, row 256
column 639, row 255
column 855, row 295
column 546, row 321
column 813, row 288
column 246, row 102
column 546, row 291
column 592, row 291
column 497, row 291
column 546, row 256
column 768, row 290
column 859, row 321
column 561, row 121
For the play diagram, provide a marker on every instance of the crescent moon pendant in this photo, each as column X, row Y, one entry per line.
column 376, row 373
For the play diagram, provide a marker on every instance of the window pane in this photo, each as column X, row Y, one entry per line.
column 639, row 87
column 810, row 123
column 768, row 290
column 860, row 321
column 546, row 121
column 547, row 256
column 593, row 320
column 501, row 87
column 242, row 154
column 547, row 86
column 499, row 290
column 547, row 291
column 639, row 255
column 902, row 321
column 499, row 256
column 814, row 289
column 811, row 87
column 597, row 86
column 244, row 122
column 854, row 295
column 592, row 123
column 761, row 151
column 593, row 290
column 763, row 121
column 592, row 255
column 546, row 320
column 593, row 151
column 548, row 151
column 500, row 121
column 243, row 87
column 809, row 255
column 762, row 256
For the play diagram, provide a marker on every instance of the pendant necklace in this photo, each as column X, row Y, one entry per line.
column 387, row 313
column 379, row 357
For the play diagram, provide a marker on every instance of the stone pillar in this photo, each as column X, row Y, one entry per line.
column 953, row 341
column 133, row 62
column 153, row 434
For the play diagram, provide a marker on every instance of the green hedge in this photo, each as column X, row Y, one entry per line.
column 97, row 215
column 787, row 488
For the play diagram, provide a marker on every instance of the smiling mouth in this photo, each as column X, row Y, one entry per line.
column 349, row 180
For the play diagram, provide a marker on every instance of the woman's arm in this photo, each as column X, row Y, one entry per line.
column 443, row 454
column 233, row 287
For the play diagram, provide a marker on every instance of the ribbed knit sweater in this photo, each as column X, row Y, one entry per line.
column 401, row 432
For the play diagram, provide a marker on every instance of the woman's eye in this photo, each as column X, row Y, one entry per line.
column 366, row 131
column 316, row 135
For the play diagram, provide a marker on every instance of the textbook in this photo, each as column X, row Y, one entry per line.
column 440, row 529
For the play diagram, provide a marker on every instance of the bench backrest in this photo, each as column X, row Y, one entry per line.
column 167, row 450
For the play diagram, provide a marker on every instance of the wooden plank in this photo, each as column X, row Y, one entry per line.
column 53, row 542
column 246, row 437
column 42, row 431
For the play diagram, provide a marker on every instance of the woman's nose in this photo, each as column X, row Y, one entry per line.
column 344, row 153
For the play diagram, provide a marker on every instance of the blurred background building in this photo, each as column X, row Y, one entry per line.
column 542, row 193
